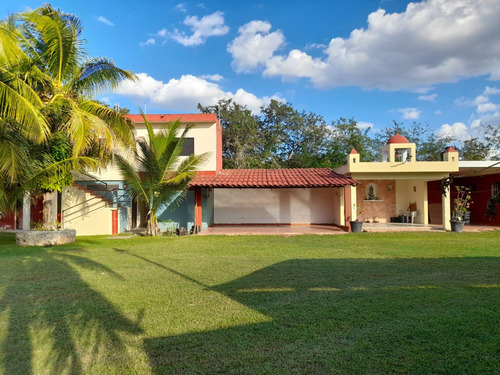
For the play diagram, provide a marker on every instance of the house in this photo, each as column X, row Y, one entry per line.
column 397, row 186
column 400, row 187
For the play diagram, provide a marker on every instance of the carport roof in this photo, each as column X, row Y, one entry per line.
column 273, row 178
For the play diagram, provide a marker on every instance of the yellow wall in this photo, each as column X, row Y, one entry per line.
column 92, row 217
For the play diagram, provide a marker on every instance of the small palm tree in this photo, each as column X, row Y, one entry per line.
column 161, row 173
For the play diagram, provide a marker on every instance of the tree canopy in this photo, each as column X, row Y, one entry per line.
column 281, row 136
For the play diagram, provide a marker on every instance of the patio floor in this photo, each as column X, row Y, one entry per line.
column 283, row 230
column 293, row 230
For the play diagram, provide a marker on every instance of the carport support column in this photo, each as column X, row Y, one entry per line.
column 354, row 204
column 197, row 209
column 445, row 203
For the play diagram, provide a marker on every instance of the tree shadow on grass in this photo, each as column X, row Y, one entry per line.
column 351, row 316
column 56, row 322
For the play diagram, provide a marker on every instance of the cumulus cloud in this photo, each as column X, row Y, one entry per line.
column 458, row 131
column 185, row 93
column 431, row 42
column 201, row 29
column 428, row 98
column 365, row 125
column 482, row 102
column 410, row 113
column 181, row 7
column 491, row 91
column 105, row 21
column 212, row 77
column 149, row 42
column 254, row 45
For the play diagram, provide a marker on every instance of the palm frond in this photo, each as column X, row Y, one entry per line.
column 20, row 102
column 118, row 124
column 133, row 179
column 99, row 74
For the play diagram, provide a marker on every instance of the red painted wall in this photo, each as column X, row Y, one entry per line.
column 7, row 221
column 480, row 193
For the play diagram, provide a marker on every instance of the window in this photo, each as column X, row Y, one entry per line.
column 495, row 189
column 188, row 148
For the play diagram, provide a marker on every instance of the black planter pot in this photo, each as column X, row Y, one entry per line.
column 457, row 226
column 356, row 226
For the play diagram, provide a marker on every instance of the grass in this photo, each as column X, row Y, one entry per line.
column 379, row 303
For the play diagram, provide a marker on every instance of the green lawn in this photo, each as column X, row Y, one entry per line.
column 414, row 303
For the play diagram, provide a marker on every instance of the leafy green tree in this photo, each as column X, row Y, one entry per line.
column 161, row 173
column 292, row 139
column 347, row 135
column 50, row 123
column 240, row 136
column 475, row 149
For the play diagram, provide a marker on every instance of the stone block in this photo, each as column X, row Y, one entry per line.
column 45, row 238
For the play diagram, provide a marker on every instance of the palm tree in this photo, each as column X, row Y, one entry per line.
column 47, row 85
column 66, row 80
column 161, row 173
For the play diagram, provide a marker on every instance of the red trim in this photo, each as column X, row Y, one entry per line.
column 114, row 221
column 194, row 117
column 206, row 173
column 197, row 208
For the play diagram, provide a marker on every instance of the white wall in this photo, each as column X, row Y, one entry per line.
column 205, row 141
column 269, row 206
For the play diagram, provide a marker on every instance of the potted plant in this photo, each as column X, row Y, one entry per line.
column 357, row 225
column 460, row 205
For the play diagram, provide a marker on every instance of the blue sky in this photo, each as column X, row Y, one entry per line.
column 435, row 61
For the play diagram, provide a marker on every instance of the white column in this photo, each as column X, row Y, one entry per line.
column 445, row 202
column 27, row 212
column 354, row 208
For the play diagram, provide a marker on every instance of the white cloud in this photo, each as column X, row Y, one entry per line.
column 410, row 113
column 458, row 131
column 181, row 7
column 491, row 91
column 254, row 45
column 475, row 124
column 105, row 21
column 149, row 42
column 365, row 125
column 315, row 45
column 438, row 112
column 431, row 42
column 486, row 107
column 212, row 77
column 163, row 33
column 207, row 26
column 428, row 98
column 185, row 93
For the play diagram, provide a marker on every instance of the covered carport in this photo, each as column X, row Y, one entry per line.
column 309, row 196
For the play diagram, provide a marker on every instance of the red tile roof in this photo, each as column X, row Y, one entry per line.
column 450, row 149
column 273, row 178
column 353, row 151
column 193, row 117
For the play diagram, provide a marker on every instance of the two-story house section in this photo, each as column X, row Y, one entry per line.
column 99, row 203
